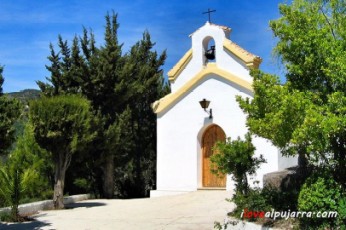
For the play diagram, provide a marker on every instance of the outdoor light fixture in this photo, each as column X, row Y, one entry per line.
column 205, row 104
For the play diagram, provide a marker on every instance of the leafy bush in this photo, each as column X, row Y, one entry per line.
column 237, row 158
column 28, row 154
column 5, row 217
column 24, row 177
column 322, row 193
column 82, row 184
column 341, row 221
column 281, row 200
column 13, row 183
column 253, row 201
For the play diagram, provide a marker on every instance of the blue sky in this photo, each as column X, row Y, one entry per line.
column 27, row 28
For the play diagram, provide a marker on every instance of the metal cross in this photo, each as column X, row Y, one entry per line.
column 209, row 12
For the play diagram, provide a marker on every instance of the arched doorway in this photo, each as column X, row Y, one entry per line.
column 211, row 135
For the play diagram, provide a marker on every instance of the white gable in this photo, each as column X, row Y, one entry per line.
column 229, row 56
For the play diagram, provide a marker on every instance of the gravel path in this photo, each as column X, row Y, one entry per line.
column 195, row 210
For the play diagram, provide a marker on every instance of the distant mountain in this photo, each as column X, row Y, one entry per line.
column 25, row 95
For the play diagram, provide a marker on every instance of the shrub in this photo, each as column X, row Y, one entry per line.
column 83, row 184
column 13, row 183
column 341, row 221
column 253, row 201
column 322, row 193
column 237, row 158
column 281, row 200
column 28, row 155
column 5, row 217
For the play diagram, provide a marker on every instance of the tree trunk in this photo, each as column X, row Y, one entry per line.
column 302, row 161
column 108, row 177
column 303, row 170
column 59, row 182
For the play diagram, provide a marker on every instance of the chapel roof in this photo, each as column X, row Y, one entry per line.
column 224, row 28
column 251, row 60
column 166, row 102
column 177, row 68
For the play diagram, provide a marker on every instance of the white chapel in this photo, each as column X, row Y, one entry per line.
column 211, row 74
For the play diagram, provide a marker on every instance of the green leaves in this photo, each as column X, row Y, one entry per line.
column 13, row 183
column 276, row 110
column 306, row 115
column 61, row 123
column 236, row 158
column 120, row 88
column 27, row 154
column 1, row 80
column 311, row 44
column 62, row 126
column 323, row 130
column 10, row 111
column 321, row 193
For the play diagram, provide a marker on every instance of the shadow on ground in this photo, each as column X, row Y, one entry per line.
column 84, row 205
column 23, row 226
column 35, row 225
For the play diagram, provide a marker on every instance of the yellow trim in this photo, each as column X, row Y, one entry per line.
column 249, row 59
column 165, row 102
column 176, row 70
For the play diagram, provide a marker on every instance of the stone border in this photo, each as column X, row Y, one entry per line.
column 236, row 224
column 30, row 208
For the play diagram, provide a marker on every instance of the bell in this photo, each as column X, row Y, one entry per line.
column 210, row 53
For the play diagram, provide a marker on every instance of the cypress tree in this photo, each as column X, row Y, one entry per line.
column 120, row 89
column 143, row 74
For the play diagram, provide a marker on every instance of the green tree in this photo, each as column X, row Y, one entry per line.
column 237, row 158
column 13, row 183
column 1, row 79
column 322, row 192
column 143, row 73
column 94, row 73
column 28, row 154
column 305, row 116
column 107, row 97
column 61, row 126
column 10, row 110
column 120, row 89
column 276, row 111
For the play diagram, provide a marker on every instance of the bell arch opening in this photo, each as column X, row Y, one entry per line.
column 209, row 51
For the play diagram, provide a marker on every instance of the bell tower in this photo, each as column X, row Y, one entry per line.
column 207, row 43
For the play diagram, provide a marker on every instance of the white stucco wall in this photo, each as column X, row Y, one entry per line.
column 180, row 130
column 180, row 127
column 178, row 145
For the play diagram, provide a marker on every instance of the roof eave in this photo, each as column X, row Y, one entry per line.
column 165, row 103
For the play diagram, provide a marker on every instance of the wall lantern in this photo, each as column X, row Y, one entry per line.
column 205, row 104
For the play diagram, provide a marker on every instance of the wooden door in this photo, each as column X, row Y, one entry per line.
column 213, row 134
